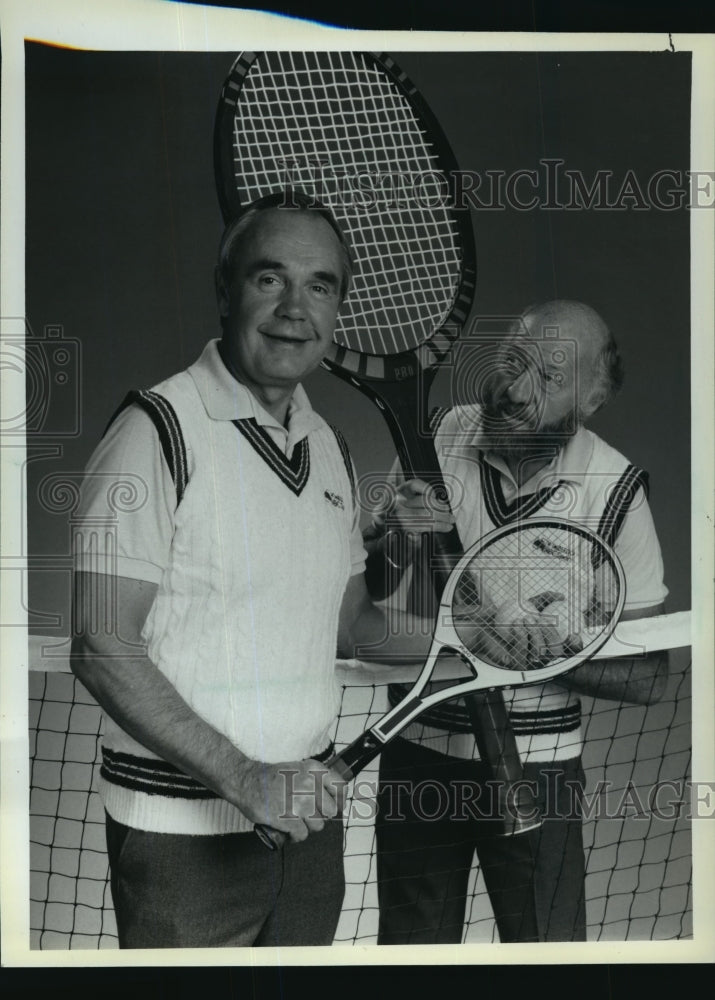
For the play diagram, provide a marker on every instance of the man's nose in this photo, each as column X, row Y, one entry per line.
column 291, row 303
column 521, row 387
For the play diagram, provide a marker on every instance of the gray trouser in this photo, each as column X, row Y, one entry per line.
column 177, row 891
column 426, row 844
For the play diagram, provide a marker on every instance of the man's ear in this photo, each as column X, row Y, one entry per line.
column 221, row 293
column 596, row 399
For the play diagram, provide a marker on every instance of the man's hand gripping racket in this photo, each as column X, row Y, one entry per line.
column 524, row 605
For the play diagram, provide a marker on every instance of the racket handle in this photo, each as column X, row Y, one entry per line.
column 487, row 712
column 272, row 839
column 497, row 748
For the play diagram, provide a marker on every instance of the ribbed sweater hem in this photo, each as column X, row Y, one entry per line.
column 162, row 814
column 537, row 748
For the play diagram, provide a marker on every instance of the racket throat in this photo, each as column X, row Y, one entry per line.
column 398, row 718
column 365, row 748
column 350, row 761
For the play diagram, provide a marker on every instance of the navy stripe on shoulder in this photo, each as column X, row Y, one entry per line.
column 620, row 497
column 345, row 452
column 436, row 417
column 164, row 418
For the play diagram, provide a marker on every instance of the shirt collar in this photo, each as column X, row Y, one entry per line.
column 569, row 465
column 225, row 398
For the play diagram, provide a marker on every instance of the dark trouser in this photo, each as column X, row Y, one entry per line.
column 176, row 891
column 431, row 818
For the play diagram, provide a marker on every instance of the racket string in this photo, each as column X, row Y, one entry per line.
column 534, row 597
column 347, row 115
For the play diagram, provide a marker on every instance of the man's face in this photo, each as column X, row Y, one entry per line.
column 538, row 387
column 282, row 302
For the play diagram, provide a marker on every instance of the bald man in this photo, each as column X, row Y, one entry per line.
column 521, row 452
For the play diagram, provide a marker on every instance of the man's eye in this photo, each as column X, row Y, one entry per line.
column 268, row 279
column 323, row 291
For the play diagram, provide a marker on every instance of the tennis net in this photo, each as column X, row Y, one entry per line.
column 636, row 825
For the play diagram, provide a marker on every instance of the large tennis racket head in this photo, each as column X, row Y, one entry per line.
column 544, row 595
column 351, row 130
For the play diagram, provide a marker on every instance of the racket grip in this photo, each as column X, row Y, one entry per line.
column 272, row 839
column 495, row 739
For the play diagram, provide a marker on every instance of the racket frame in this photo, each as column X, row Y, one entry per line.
column 485, row 675
column 339, row 359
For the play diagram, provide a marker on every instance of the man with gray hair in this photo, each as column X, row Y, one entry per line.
column 522, row 451
column 224, row 593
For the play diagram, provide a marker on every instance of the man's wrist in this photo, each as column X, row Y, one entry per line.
column 238, row 778
column 396, row 549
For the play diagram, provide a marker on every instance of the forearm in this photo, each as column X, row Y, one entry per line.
column 638, row 680
column 383, row 574
column 142, row 702
column 387, row 636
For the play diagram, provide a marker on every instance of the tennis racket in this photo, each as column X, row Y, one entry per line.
column 351, row 130
column 525, row 605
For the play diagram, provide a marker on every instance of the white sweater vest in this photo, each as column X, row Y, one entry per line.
column 244, row 624
column 545, row 718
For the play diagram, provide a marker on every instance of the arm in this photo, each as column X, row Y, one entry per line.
column 387, row 559
column 376, row 635
column 637, row 679
column 640, row 679
column 113, row 665
column 396, row 534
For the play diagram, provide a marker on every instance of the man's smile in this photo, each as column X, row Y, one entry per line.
column 282, row 336
column 510, row 415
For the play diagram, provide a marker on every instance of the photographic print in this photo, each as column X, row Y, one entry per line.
column 501, row 254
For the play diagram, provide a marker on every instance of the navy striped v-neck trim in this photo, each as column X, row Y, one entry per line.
column 293, row 471
column 500, row 512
